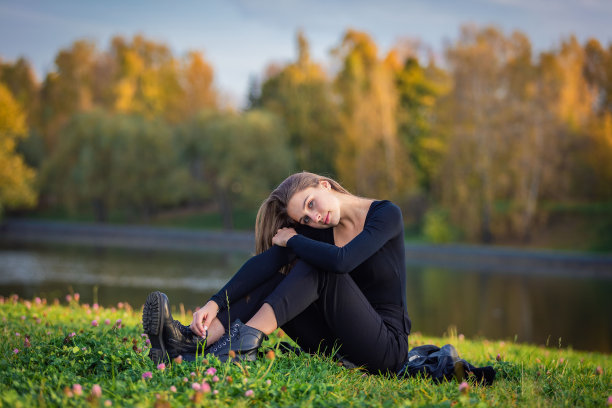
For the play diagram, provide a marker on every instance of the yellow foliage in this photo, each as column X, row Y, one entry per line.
column 16, row 178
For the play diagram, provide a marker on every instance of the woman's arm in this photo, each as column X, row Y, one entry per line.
column 384, row 223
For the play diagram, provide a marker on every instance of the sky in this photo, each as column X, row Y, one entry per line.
column 241, row 37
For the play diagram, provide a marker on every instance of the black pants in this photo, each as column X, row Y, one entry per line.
column 322, row 310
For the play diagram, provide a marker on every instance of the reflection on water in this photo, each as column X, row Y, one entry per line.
column 535, row 309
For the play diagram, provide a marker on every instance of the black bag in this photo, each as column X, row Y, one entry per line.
column 443, row 364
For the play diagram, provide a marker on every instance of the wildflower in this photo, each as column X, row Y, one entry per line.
column 72, row 334
column 23, row 317
column 68, row 298
column 270, row 355
column 229, row 379
column 120, row 305
column 107, row 322
column 108, row 403
column 68, row 392
column 205, row 387
column 610, row 401
column 464, row 387
column 147, row 374
column 599, row 370
column 173, row 388
column 144, row 335
column 77, row 389
column 249, row 393
column 37, row 300
column 96, row 391
column 94, row 323
column 215, row 379
column 196, row 386
column 461, row 337
column 215, row 392
column 16, row 351
column 161, row 366
column 269, row 382
column 95, row 306
column 76, row 297
column 498, row 358
column 561, row 360
column 178, row 359
column 211, row 371
column 147, row 342
column 192, row 374
column 38, row 320
column 17, row 334
column 232, row 354
column 185, row 379
column 280, row 334
column 26, row 342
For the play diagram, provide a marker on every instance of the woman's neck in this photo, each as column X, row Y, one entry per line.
column 353, row 211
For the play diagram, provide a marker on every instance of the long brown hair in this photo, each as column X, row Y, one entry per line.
column 272, row 214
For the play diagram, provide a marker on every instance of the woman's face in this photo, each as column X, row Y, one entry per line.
column 316, row 207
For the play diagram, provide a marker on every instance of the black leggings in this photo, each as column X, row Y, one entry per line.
column 320, row 310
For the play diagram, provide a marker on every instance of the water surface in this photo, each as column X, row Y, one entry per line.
column 527, row 307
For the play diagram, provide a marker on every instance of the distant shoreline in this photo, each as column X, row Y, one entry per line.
column 456, row 256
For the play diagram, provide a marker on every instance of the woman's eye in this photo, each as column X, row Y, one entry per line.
column 311, row 204
column 306, row 220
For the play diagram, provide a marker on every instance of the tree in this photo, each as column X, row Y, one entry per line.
column 240, row 157
column 419, row 88
column 484, row 120
column 115, row 162
column 370, row 158
column 300, row 93
column 16, row 179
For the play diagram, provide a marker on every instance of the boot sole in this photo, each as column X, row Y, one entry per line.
column 152, row 322
column 158, row 356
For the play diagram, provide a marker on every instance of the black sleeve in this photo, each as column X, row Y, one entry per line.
column 381, row 225
column 253, row 273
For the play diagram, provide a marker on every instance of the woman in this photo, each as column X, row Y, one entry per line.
column 330, row 271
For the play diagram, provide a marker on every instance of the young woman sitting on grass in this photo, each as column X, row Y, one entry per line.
column 330, row 271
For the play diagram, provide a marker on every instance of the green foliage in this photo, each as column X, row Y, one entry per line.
column 63, row 348
column 437, row 227
column 114, row 161
column 240, row 157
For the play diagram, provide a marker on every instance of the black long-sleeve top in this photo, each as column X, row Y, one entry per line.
column 375, row 259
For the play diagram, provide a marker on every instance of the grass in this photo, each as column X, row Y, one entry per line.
column 49, row 347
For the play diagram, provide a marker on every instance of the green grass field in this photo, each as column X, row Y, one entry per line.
column 72, row 354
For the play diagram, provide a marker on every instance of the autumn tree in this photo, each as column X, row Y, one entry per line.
column 419, row 89
column 16, row 178
column 370, row 158
column 300, row 93
column 486, row 121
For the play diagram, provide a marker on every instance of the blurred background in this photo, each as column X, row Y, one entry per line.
column 489, row 122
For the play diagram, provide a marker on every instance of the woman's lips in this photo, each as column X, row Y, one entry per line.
column 327, row 219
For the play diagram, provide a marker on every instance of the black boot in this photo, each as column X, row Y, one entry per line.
column 169, row 338
column 241, row 339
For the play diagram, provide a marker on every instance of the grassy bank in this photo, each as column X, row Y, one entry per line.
column 72, row 354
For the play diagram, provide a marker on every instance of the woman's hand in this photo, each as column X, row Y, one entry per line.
column 282, row 236
column 203, row 318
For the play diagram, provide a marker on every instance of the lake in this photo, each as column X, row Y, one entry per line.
column 534, row 308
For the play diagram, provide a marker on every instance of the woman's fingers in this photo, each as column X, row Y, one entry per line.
column 196, row 324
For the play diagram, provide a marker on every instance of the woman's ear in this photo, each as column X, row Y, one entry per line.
column 325, row 184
